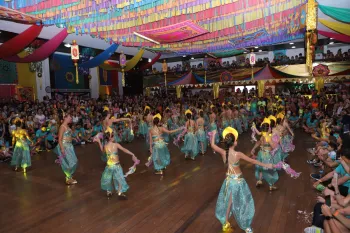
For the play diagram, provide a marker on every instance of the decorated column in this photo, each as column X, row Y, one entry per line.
column 311, row 33
column 205, row 64
column 319, row 72
column 75, row 57
column 165, row 69
column 122, row 63
column 252, row 60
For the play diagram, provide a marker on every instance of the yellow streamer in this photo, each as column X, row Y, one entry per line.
column 133, row 61
column 336, row 26
column 216, row 88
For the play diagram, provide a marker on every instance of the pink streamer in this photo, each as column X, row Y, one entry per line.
column 287, row 169
column 43, row 52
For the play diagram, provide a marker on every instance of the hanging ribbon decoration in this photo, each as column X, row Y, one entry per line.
column 178, row 91
column 216, row 87
column 148, row 91
column 74, row 50
column 165, row 69
column 261, row 88
column 122, row 63
column 19, row 42
column 205, row 64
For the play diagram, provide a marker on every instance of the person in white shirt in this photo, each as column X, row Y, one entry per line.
column 40, row 117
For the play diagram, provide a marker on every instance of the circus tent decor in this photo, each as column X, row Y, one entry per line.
column 75, row 58
column 43, row 51
column 122, row 63
column 19, row 42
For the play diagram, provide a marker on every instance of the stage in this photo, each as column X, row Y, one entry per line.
column 182, row 201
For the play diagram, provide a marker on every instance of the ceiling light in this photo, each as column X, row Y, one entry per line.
column 291, row 43
column 331, row 42
column 331, row 38
column 293, row 47
column 260, row 50
column 149, row 59
column 256, row 47
column 192, row 58
column 67, row 45
column 184, row 55
column 244, row 52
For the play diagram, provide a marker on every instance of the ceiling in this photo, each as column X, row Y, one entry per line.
column 83, row 40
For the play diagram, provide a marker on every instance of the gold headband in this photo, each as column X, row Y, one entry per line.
column 158, row 116
column 280, row 115
column 128, row 115
column 147, row 107
column 266, row 121
column 105, row 108
column 188, row 112
column 212, row 106
column 17, row 119
column 229, row 130
column 272, row 118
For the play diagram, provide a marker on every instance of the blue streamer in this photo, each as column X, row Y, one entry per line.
column 200, row 79
column 99, row 59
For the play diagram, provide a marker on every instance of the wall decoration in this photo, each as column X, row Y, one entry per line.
column 25, row 93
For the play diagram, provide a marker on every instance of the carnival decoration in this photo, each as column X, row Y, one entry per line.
column 122, row 63
column 117, row 20
column 165, row 69
column 74, row 50
column 216, row 87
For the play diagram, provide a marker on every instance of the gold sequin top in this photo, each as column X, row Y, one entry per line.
column 20, row 135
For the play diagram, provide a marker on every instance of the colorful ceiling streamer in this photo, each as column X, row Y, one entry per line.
column 19, row 42
column 117, row 20
column 173, row 33
column 43, row 51
column 19, row 17
column 336, row 26
column 340, row 14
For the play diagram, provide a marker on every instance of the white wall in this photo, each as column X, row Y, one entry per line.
column 94, row 83
column 334, row 48
column 44, row 80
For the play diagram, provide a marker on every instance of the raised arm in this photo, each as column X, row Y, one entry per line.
column 257, row 144
column 221, row 151
column 253, row 161
column 126, row 151
column 164, row 130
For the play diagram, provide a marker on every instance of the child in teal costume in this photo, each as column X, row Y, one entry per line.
column 235, row 197
column 113, row 177
column 190, row 147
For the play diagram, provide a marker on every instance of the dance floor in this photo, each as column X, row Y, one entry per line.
column 182, row 201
